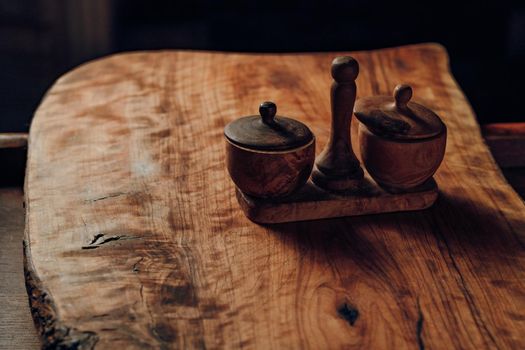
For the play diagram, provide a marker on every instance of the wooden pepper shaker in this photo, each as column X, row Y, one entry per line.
column 337, row 168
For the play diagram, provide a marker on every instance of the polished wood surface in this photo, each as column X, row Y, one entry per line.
column 135, row 238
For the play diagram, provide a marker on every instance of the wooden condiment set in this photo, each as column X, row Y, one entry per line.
column 271, row 159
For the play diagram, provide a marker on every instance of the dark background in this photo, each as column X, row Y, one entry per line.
column 42, row 39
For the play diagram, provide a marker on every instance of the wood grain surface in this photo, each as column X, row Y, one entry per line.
column 135, row 238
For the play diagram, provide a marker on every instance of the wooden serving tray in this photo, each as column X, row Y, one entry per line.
column 135, row 240
column 312, row 202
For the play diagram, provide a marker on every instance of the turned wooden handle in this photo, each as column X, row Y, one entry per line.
column 13, row 140
column 344, row 71
column 337, row 167
column 402, row 95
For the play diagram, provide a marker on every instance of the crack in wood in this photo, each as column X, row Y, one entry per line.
column 419, row 327
column 466, row 291
column 96, row 237
column 111, row 195
column 100, row 239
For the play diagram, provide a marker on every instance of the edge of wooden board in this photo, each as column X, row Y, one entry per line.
column 53, row 333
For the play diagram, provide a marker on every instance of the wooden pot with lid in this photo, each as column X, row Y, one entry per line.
column 269, row 156
column 402, row 143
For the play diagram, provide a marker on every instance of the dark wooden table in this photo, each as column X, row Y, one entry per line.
column 16, row 327
column 135, row 239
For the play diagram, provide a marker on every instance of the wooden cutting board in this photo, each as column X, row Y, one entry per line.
column 134, row 238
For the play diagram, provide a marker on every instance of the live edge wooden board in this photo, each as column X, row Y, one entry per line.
column 134, row 237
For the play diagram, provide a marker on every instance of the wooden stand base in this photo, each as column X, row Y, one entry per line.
column 312, row 202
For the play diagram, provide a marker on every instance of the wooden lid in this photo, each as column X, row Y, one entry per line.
column 268, row 131
column 398, row 118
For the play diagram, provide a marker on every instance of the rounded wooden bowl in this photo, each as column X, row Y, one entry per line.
column 269, row 174
column 400, row 165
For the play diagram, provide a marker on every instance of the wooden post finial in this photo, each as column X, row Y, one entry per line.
column 345, row 69
column 337, row 167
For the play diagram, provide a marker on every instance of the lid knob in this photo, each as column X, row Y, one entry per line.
column 267, row 110
column 402, row 94
column 345, row 69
